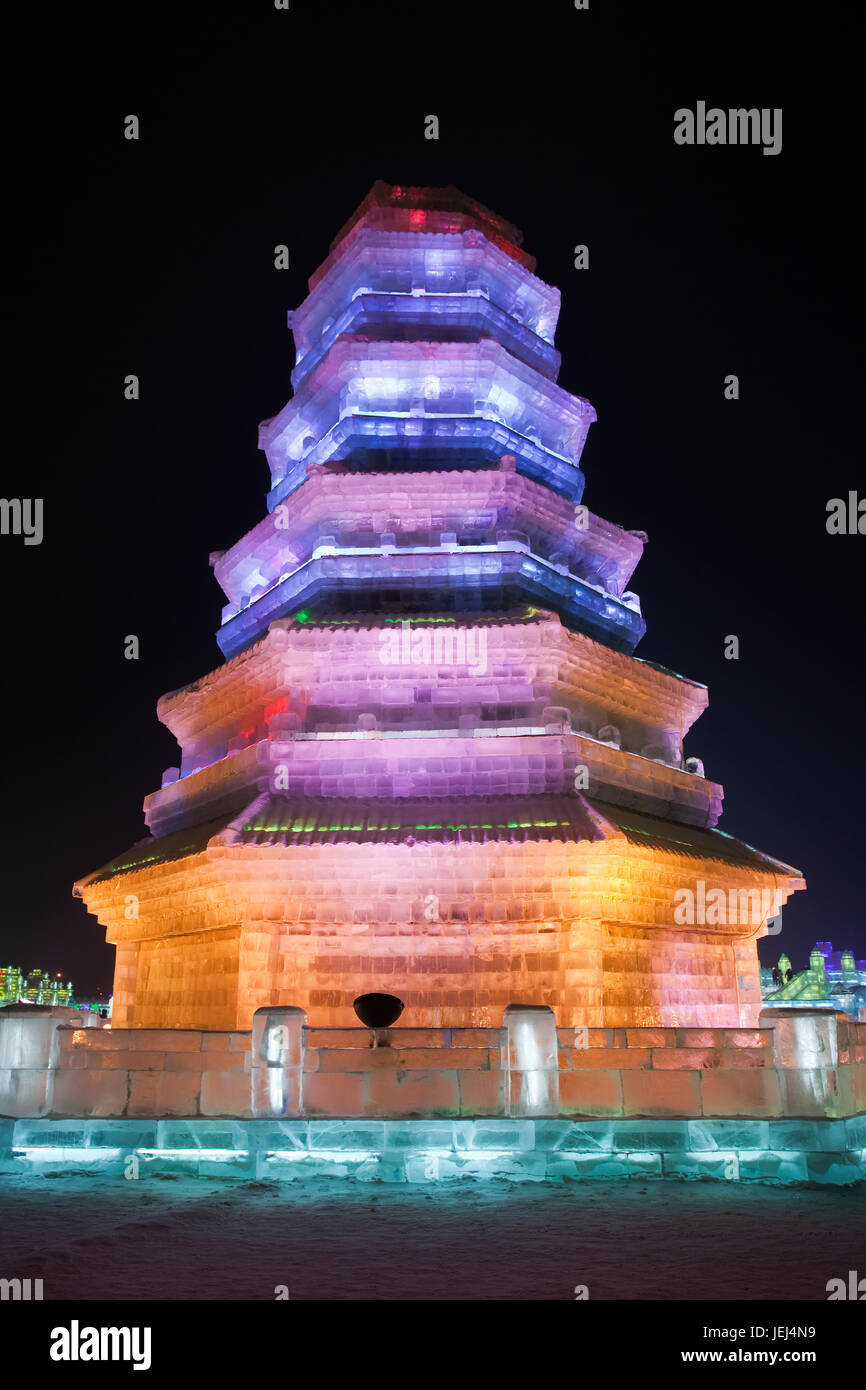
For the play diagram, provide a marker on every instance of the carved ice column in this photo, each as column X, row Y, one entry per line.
column 806, row 1055
column 277, row 1071
column 532, row 1060
column 29, row 1050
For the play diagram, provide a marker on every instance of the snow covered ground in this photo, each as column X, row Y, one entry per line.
column 89, row 1237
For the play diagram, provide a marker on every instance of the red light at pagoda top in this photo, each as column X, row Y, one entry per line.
column 443, row 210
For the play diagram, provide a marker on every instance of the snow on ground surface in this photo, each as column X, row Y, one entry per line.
column 90, row 1237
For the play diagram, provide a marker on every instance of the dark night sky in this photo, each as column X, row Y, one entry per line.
column 261, row 127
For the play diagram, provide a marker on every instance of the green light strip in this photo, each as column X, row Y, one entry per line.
column 668, row 839
column 298, row 829
column 151, row 859
column 490, row 620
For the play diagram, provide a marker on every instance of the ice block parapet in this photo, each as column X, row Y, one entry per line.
column 532, row 1060
column 277, row 1062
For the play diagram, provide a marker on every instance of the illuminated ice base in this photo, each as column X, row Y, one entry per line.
column 424, row 1151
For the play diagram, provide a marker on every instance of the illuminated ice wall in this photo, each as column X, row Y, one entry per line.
column 431, row 764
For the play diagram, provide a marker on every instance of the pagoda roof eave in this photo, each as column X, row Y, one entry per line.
column 274, row 821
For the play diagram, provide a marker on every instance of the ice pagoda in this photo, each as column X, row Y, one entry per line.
column 431, row 764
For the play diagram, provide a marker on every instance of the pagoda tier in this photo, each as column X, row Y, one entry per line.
column 459, row 907
column 430, row 764
column 445, row 210
column 418, row 400
column 384, row 283
column 437, row 709
column 336, row 506
column 443, row 541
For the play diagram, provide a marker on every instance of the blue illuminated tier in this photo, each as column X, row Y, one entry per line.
column 421, row 443
column 425, row 348
column 420, row 396
column 471, row 579
column 415, row 316
column 452, row 280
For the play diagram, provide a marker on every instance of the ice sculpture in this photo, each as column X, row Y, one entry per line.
column 431, row 765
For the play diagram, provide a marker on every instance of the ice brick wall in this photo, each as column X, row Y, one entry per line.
column 725, row 1073
column 186, row 981
column 152, row 1071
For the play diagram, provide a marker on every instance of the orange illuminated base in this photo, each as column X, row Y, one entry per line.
column 567, row 902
